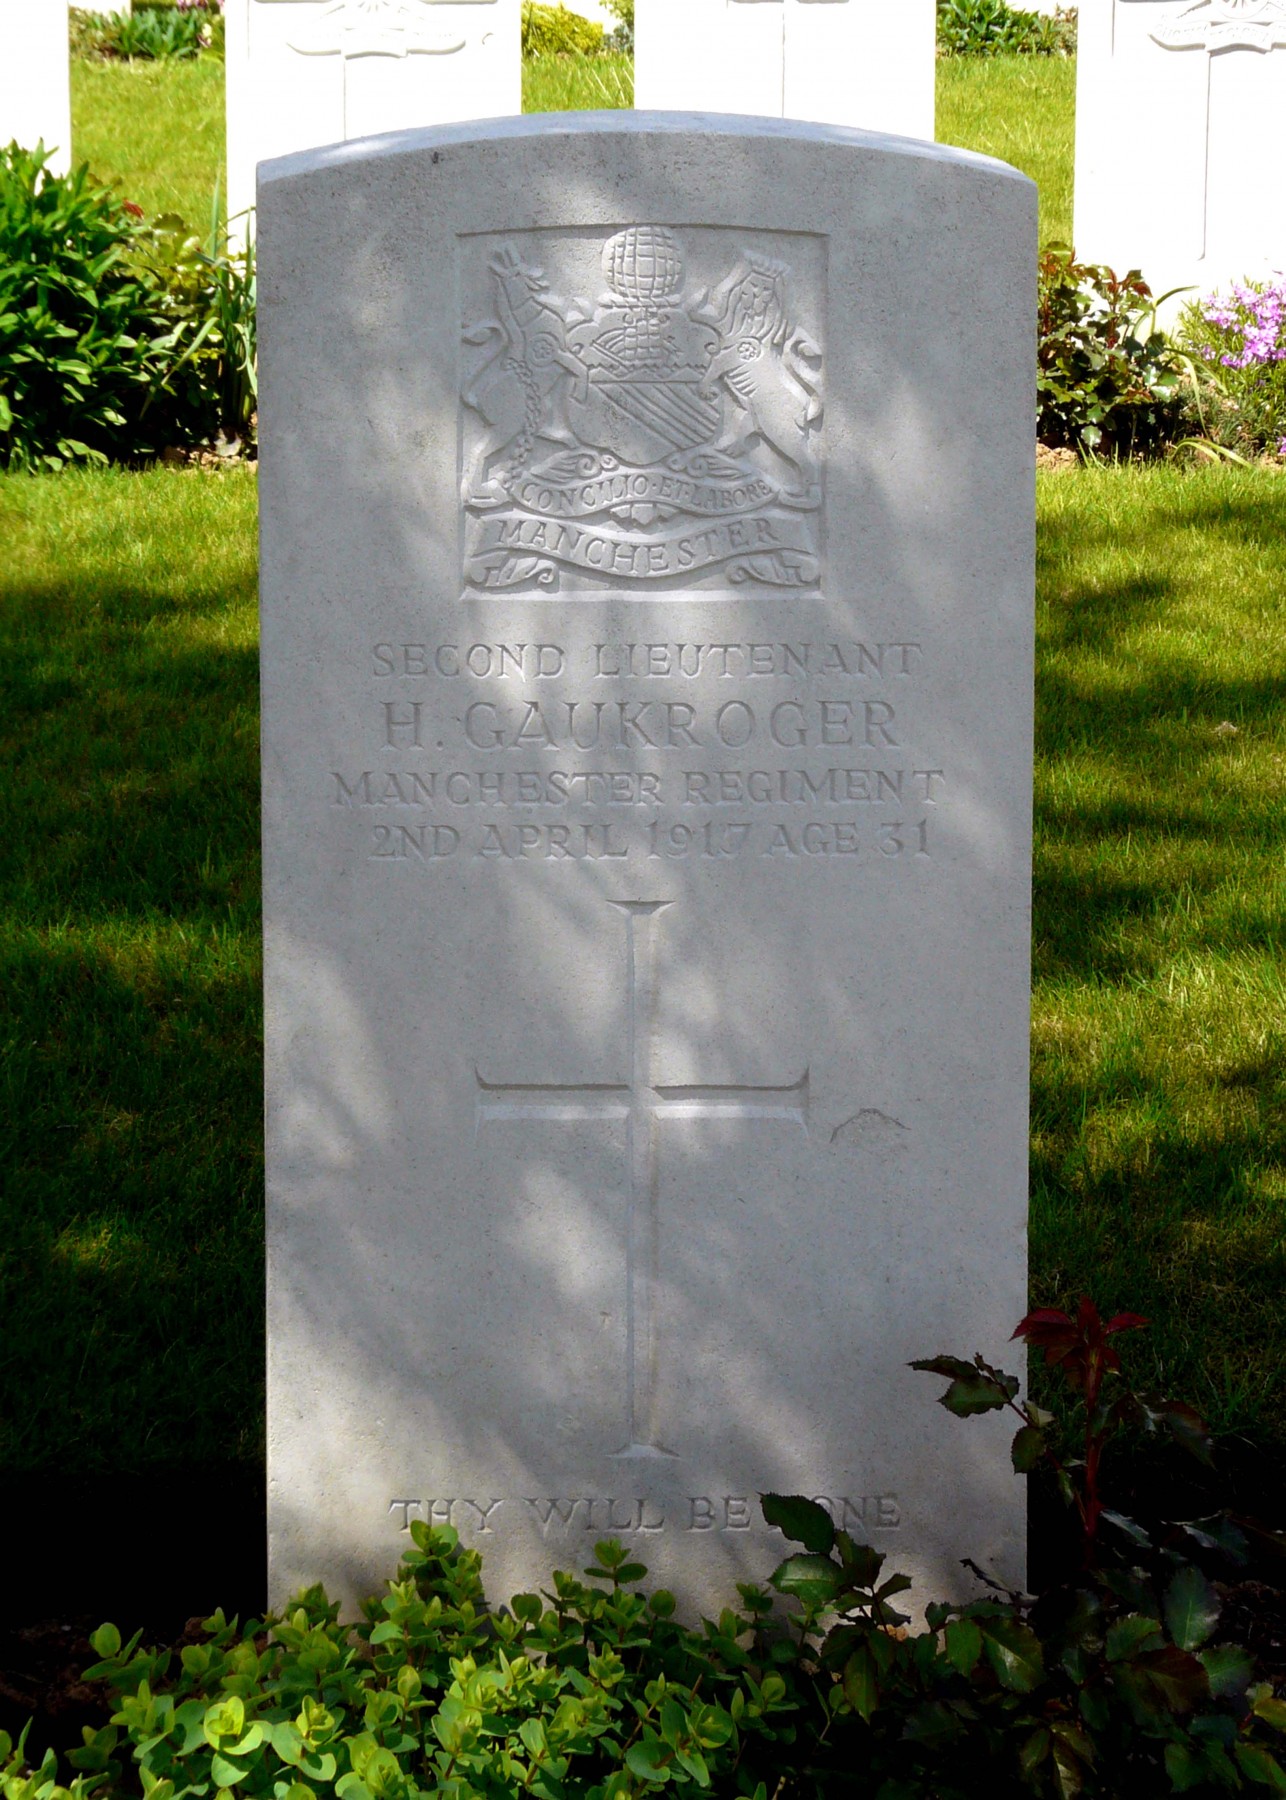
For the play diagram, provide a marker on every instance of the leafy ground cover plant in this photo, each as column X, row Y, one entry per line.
column 1108, row 380
column 117, row 338
column 1237, row 341
column 993, row 28
column 591, row 1690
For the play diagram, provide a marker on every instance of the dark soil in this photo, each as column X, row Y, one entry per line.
column 143, row 1552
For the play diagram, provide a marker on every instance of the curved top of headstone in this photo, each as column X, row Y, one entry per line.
column 533, row 128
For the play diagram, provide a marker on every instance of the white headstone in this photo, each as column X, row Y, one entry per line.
column 867, row 63
column 647, row 578
column 35, row 77
column 304, row 73
column 1180, row 111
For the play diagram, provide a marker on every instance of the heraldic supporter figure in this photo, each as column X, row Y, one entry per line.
column 652, row 437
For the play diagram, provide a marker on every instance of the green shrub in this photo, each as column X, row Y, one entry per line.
column 150, row 33
column 117, row 338
column 993, row 28
column 554, row 31
column 1111, row 1685
column 1108, row 379
column 1237, row 342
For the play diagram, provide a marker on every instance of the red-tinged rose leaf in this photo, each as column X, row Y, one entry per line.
column 1045, row 1326
column 1177, row 1676
column 1126, row 1322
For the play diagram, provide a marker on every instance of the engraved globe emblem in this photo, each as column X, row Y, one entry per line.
column 642, row 265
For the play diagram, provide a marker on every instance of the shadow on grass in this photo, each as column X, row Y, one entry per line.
column 129, row 960
column 1159, row 1073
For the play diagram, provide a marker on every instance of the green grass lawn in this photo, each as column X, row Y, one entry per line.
column 158, row 128
column 129, row 932
column 1023, row 110
column 131, row 1284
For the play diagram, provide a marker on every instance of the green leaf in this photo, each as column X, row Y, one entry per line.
column 1230, row 1671
column 226, row 1774
column 225, row 1719
column 287, row 1741
column 1014, row 1652
column 1033, row 1752
column 1028, row 1449
column 963, row 1645
column 532, row 1733
column 813, row 1580
column 649, row 1759
column 1184, row 1767
column 1127, row 1636
column 1272, row 1712
column 106, row 1641
column 1191, row 1608
column 976, row 1395
column 1261, row 1767
column 802, row 1521
column 861, row 1687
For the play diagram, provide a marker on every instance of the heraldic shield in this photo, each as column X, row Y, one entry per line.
column 663, row 437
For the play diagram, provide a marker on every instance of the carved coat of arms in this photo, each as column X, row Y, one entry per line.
column 659, row 437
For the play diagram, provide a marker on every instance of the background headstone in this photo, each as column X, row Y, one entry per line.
column 647, row 590
column 35, row 77
column 867, row 63
column 1180, row 105
column 303, row 73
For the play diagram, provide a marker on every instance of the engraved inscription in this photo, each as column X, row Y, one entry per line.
column 641, row 1515
column 662, row 437
column 636, row 1098
column 397, row 28
column 509, row 752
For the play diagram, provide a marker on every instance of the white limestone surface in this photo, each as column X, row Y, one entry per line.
column 647, row 575
column 1180, row 105
column 866, row 63
column 304, row 73
column 35, row 77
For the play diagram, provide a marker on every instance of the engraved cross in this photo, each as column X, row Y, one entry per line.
column 644, row 1105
